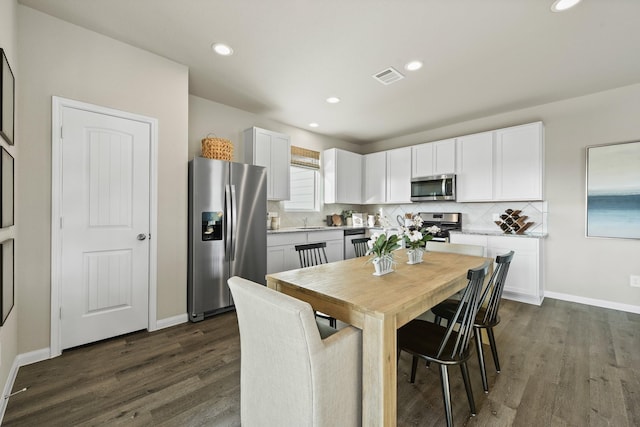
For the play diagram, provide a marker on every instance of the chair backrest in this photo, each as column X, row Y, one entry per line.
column 312, row 254
column 493, row 292
column 360, row 246
column 457, row 248
column 288, row 374
column 465, row 316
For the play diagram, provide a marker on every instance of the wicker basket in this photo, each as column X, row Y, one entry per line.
column 217, row 148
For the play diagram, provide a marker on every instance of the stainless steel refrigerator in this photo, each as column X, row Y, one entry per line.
column 227, row 232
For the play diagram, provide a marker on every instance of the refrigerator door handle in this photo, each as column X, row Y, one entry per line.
column 228, row 232
column 234, row 221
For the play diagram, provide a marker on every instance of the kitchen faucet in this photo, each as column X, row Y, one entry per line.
column 305, row 221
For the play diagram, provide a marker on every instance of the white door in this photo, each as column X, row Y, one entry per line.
column 105, row 211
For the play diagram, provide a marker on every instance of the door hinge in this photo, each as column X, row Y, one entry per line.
column 61, row 132
column 61, row 223
column 60, row 313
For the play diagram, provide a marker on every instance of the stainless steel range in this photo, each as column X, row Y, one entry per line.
column 446, row 221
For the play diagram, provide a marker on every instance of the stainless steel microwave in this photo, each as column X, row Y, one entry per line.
column 437, row 187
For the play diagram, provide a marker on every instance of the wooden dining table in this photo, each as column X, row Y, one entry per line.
column 378, row 305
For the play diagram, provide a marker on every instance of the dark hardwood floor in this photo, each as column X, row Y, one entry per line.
column 563, row 364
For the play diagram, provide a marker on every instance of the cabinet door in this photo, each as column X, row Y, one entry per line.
column 474, row 180
column 375, row 172
column 470, row 239
column 330, row 175
column 349, row 182
column 519, row 159
column 422, row 160
column 275, row 259
column 342, row 172
column 262, row 148
column 523, row 279
column 399, row 175
column 444, row 157
column 271, row 150
column 335, row 250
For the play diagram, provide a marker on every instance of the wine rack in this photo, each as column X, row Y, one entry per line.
column 511, row 222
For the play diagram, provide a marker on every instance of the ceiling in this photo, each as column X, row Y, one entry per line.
column 480, row 57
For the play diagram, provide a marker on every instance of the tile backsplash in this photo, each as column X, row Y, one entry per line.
column 475, row 216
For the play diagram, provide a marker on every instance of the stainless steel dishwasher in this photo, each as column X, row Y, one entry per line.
column 350, row 234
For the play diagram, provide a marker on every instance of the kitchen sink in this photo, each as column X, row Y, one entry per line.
column 312, row 227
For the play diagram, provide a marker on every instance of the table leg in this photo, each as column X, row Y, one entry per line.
column 379, row 375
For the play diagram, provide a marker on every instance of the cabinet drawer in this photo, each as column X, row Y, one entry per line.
column 278, row 239
column 324, row 236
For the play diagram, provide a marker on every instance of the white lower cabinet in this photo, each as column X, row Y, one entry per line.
column 524, row 280
column 281, row 251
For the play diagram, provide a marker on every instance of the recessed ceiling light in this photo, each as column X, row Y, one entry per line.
column 333, row 100
column 222, row 49
column 413, row 65
column 562, row 5
column 313, row 125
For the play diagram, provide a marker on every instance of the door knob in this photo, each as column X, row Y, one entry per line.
column 141, row 236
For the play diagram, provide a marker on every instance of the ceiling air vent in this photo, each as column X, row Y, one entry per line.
column 388, row 76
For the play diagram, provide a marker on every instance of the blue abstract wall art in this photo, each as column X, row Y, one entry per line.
column 613, row 190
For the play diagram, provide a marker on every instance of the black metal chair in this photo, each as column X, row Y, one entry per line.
column 446, row 346
column 360, row 246
column 314, row 254
column 487, row 316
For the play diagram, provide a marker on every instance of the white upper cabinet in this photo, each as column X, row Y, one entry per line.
column 433, row 158
column 375, row 178
column 519, row 152
column 272, row 150
column 399, row 175
column 387, row 176
column 474, row 180
column 501, row 165
column 342, row 176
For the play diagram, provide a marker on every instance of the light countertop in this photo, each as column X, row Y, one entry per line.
column 532, row 235
column 311, row 228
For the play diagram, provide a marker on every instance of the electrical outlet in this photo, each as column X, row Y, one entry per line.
column 634, row 281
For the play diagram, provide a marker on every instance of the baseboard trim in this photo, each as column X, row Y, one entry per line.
column 18, row 361
column 8, row 386
column 528, row 299
column 594, row 302
column 171, row 321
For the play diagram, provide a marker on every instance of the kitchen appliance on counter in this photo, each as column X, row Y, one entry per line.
column 349, row 235
column 437, row 187
column 227, row 232
column 446, row 222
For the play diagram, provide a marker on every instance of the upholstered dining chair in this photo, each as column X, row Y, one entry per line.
column 314, row 254
column 447, row 346
column 360, row 246
column 293, row 370
column 487, row 316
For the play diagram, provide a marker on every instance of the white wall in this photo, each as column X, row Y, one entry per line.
column 9, row 331
column 227, row 122
column 68, row 61
column 576, row 266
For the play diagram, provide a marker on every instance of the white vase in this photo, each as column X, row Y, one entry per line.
column 415, row 256
column 383, row 265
